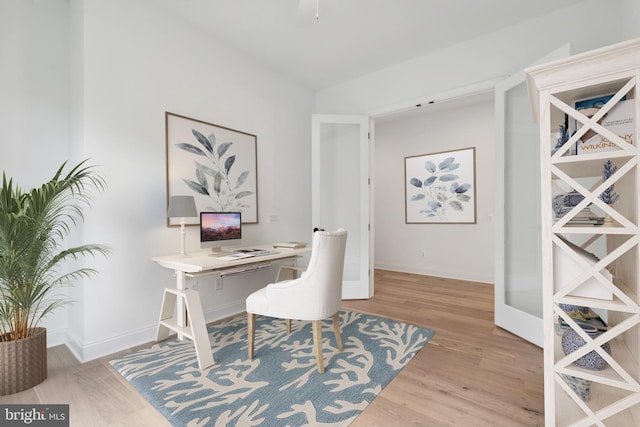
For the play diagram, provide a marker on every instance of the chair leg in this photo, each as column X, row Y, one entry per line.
column 251, row 331
column 336, row 329
column 317, row 343
column 289, row 326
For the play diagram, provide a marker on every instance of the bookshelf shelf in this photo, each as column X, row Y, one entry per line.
column 556, row 91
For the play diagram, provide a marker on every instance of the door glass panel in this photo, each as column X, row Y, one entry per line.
column 522, row 250
column 518, row 287
column 339, row 205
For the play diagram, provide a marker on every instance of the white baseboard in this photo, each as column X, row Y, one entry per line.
column 226, row 310
column 88, row 351
column 438, row 273
column 56, row 337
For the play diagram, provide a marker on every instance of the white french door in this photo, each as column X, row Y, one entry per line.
column 341, row 193
column 518, row 265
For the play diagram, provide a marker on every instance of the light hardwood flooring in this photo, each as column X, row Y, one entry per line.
column 471, row 373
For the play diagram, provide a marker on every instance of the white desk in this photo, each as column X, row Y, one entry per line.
column 202, row 263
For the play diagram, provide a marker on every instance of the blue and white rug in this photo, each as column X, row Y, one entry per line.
column 281, row 385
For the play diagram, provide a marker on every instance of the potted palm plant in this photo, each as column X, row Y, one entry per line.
column 34, row 264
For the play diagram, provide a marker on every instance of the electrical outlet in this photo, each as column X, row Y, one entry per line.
column 219, row 284
column 423, row 254
column 193, row 284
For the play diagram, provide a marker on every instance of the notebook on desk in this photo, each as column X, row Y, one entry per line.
column 244, row 253
column 253, row 252
column 235, row 256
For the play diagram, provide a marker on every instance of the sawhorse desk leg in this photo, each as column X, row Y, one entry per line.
column 178, row 300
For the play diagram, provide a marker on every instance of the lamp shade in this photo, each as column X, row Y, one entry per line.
column 182, row 207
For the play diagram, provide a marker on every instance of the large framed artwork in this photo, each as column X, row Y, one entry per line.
column 215, row 164
column 441, row 187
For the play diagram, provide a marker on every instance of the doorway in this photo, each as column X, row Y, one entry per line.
column 459, row 251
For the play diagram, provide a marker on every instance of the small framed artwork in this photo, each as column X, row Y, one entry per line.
column 441, row 187
column 215, row 164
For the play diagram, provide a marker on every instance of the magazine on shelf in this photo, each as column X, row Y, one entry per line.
column 591, row 319
column 618, row 120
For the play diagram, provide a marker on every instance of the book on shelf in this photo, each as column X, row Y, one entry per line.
column 591, row 319
column 618, row 120
column 584, row 224
column 583, row 218
column 289, row 245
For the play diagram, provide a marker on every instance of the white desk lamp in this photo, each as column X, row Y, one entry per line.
column 182, row 207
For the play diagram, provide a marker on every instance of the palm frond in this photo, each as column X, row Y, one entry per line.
column 33, row 227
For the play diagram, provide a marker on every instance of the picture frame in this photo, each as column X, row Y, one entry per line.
column 441, row 187
column 214, row 164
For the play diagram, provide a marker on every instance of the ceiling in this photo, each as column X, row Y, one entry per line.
column 351, row 38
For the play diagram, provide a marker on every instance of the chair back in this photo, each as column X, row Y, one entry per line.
column 324, row 273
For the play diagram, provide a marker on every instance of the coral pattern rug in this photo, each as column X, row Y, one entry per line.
column 281, row 385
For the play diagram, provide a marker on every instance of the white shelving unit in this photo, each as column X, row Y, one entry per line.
column 614, row 397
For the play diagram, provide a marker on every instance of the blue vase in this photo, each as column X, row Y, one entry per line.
column 568, row 308
column 571, row 341
column 563, row 202
column 580, row 386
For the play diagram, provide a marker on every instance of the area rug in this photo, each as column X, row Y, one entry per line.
column 281, row 385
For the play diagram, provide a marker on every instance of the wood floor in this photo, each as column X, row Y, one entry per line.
column 471, row 373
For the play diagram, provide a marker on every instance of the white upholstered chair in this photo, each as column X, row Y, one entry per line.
column 316, row 295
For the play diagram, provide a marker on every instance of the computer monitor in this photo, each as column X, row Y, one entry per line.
column 219, row 229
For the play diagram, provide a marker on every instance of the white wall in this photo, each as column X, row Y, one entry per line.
column 138, row 63
column 467, row 65
column 34, row 88
column 34, row 99
column 484, row 58
column 462, row 251
column 129, row 63
column 632, row 18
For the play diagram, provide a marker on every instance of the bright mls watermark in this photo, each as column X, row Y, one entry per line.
column 34, row 415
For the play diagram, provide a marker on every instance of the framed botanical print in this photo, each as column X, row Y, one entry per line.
column 440, row 187
column 215, row 164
